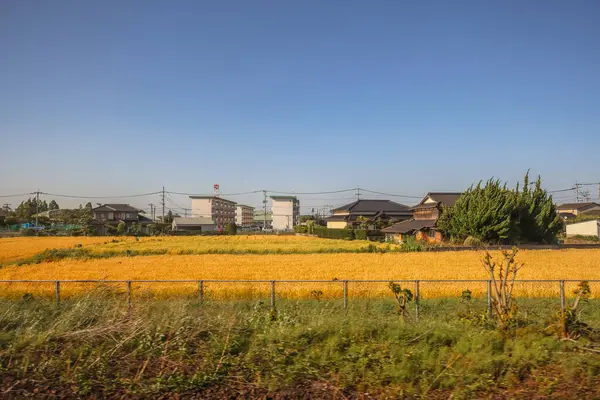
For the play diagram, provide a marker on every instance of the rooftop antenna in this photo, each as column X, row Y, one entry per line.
column 216, row 190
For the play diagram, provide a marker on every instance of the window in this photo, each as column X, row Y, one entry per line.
column 432, row 233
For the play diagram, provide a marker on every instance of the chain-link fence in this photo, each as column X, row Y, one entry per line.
column 363, row 293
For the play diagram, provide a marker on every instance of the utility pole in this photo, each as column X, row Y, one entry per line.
column 358, row 193
column 37, row 206
column 264, row 209
column 163, row 205
column 577, row 190
column 151, row 211
column 6, row 207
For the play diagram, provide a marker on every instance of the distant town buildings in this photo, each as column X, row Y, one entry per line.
column 220, row 211
column 285, row 212
column 244, row 215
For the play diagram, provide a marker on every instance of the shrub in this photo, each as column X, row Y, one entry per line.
column 121, row 228
column 328, row 233
column 28, row 232
column 301, row 229
column 410, row 244
column 472, row 241
column 231, row 229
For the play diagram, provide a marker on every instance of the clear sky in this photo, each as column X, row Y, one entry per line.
column 120, row 97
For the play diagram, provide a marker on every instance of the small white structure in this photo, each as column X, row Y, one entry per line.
column 586, row 228
column 286, row 212
column 193, row 224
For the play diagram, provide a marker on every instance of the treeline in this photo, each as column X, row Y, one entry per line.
column 494, row 213
column 27, row 210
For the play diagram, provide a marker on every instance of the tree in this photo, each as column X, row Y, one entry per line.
column 231, row 229
column 53, row 205
column 121, row 228
column 363, row 222
column 496, row 214
column 168, row 218
column 85, row 217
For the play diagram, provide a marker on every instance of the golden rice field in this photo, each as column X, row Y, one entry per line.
column 19, row 248
column 23, row 247
column 539, row 264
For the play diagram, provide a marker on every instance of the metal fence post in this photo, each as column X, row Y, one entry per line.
column 417, row 300
column 562, row 296
column 345, row 294
column 201, row 290
column 489, row 297
column 57, row 291
column 272, row 294
column 129, row 296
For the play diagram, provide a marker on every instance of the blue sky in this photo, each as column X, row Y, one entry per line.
column 122, row 97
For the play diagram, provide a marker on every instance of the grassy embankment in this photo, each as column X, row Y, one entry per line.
column 93, row 346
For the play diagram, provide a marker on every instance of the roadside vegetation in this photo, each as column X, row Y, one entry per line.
column 96, row 346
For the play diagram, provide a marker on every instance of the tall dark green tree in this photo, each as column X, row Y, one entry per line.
column 53, row 205
column 496, row 214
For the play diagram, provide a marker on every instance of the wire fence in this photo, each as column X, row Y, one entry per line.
column 344, row 291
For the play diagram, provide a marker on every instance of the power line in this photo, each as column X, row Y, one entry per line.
column 98, row 197
column 18, row 195
column 314, row 193
column 392, row 195
column 213, row 195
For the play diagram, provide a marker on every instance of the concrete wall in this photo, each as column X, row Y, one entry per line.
column 587, row 228
column 336, row 224
column 283, row 214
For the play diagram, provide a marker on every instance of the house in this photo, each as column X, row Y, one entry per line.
column 285, row 212
column 384, row 210
column 586, row 228
column 199, row 224
column 261, row 219
column 217, row 209
column 425, row 216
column 572, row 210
column 244, row 215
column 113, row 214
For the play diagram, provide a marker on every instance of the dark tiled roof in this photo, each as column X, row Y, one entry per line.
column 577, row 206
column 283, row 197
column 363, row 206
column 117, row 208
column 410, row 226
column 445, row 198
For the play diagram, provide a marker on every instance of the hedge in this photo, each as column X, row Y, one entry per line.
column 348, row 234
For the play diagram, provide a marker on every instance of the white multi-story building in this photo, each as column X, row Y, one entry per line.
column 221, row 211
column 244, row 215
column 286, row 212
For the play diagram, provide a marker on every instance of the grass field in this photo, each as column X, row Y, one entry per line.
column 93, row 348
column 539, row 264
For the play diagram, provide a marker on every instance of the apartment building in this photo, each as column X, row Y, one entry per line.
column 285, row 212
column 244, row 215
column 221, row 211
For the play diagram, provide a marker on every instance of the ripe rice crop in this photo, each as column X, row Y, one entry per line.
column 539, row 264
column 238, row 243
column 22, row 247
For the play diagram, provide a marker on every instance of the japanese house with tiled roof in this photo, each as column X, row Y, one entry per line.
column 385, row 211
column 425, row 215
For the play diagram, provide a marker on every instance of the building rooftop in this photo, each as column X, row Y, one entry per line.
column 212, row 197
column 284, row 197
column 410, row 226
column 193, row 221
column 117, row 208
column 444, row 198
column 373, row 206
column 578, row 206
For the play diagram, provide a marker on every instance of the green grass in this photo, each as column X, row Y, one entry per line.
column 93, row 346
